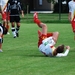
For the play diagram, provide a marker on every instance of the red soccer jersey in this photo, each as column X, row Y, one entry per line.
column 42, row 37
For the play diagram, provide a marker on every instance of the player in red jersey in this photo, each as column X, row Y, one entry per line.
column 48, row 40
column 43, row 34
column 71, row 17
column 5, row 15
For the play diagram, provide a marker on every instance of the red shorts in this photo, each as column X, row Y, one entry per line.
column 5, row 16
column 42, row 37
column 73, row 26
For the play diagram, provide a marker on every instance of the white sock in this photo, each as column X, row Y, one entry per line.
column 14, row 34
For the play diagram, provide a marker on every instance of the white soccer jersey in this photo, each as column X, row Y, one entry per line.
column 49, row 41
column 72, row 9
column 47, row 46
column 3, row 4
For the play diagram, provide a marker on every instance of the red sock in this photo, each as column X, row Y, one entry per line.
column 36, row 20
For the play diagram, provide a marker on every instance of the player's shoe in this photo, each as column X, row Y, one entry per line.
column 14, row 34
column 1, row 50
column 17, row 34
column 14, row 37
column 35, row 15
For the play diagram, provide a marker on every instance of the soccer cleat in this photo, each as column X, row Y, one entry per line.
column 74, row 37
column 17, row 34
column 14, row 36
column 35, row 15
column 1, row 50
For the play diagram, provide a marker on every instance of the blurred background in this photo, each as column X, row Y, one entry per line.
column 49, row 10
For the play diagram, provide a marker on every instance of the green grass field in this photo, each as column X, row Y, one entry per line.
column 21, row 55
column 47, row 18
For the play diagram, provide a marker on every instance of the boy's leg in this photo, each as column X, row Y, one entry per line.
column 5, row 18
column 55, row 36
column 44, row 28
column 7, row 21
column 39, row 33
column 73, row 26
column 17, row 25
column 40, row 24
column 17, row 29
column 13, row 29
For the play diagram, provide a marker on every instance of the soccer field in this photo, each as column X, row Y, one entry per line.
column 21, row 55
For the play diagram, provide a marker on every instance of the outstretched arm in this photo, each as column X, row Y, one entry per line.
column 65, row 53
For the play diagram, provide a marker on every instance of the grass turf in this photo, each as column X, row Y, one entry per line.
column 21, row 55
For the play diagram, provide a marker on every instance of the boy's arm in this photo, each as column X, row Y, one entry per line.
column 65, row 53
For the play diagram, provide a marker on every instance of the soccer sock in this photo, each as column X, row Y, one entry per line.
column 13, row 31
column 73, row 24
column 17, row 29
column 4, row 24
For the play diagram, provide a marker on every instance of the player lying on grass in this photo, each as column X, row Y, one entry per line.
column 48, row 40
column 3, row 31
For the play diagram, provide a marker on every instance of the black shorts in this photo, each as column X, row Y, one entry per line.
column 14, row 18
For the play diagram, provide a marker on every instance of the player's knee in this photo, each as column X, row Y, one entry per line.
column 57, row 33
column 55, row 36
